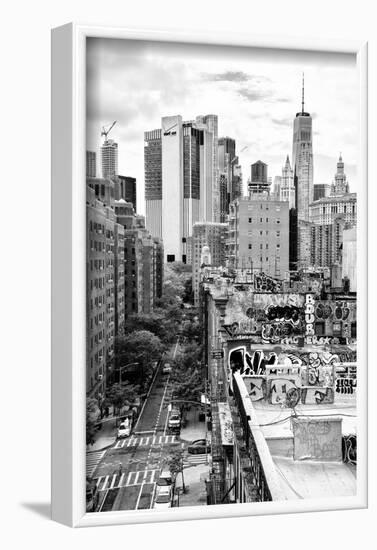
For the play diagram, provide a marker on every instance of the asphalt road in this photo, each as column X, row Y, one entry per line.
column 126, row 476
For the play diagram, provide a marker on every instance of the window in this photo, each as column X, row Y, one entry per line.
column 278, row 246
column 267, row 220
column 170, row 258
column 261, row 246
column 278, row 233
column 250, row 220
column 260, row 232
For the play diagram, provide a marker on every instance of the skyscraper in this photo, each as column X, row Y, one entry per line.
column 153, row 181
column 340, row 185
column 125, row 188
column 321, row 190
column 212, row 236
column 109, row 158
column 91, row 160
column 229, row 175
column 258, row 229
column 180, row 182
column 302, row 164
column 211, row 125
column 286, row 187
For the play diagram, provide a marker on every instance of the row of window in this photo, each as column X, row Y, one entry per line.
column 261, row 205
column 266, row 259
column 261, row 246
column 277, row 220
column 251, row 232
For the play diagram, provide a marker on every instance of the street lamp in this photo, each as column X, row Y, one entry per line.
column 124, row 367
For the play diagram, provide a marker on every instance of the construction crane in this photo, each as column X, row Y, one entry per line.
column 105, row 132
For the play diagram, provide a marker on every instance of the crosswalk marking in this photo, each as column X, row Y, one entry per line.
column 195, row 459
column 145, row 441
column 104, row 483
column 116, row 481
column 92, row 461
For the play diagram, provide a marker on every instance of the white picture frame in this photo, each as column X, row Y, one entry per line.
column 69, row 277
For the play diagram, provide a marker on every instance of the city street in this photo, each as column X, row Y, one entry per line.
column 127, row 472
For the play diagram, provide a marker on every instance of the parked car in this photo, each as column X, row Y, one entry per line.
column 199, row 446
column 124, row 429
column 165, row 479
column 166, row 368
column 163, row 497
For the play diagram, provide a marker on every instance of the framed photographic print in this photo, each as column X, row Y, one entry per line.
column 209, row 275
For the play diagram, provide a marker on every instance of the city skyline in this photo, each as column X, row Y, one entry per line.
column 199, row 333
column 136, row 83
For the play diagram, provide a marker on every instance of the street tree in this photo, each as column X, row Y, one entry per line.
column 119, row 397
column 141, row 347
column 175, row 462
column 186, row 377
column 92, row 412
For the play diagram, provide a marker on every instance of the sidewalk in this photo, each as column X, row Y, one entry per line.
column 195, row 494
column 194, row 476
column 105, row 437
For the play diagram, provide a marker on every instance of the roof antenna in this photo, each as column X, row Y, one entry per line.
column 302, row 101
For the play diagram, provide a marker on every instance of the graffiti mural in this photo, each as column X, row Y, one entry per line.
column 285, row 317
column 251, row 363
column 317, row 439
column 346, row 385
column 257, row 387
column 317, row 396
column 280, row 377
column 349, row 449
column 264, row 283
column 281, row 390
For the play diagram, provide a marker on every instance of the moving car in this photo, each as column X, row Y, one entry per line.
column 174, row 421
column 124, row 429
column 166, row 369
column 163, row 497
column 199, row 446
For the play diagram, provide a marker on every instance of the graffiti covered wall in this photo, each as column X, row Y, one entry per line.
column 278, row 376
column 290, row 318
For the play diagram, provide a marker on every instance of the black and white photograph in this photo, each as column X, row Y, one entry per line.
column 221, row 276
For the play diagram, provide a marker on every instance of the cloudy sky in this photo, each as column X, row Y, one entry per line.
column 255, row 93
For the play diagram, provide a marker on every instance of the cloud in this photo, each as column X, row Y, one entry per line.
column 228, row 76
column 286, row 121
column 252, row 94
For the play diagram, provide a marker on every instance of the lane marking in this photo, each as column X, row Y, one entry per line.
column 105, row 483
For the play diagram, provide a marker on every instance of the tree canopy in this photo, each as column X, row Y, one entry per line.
column 119, row 396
